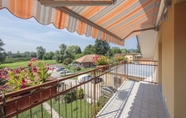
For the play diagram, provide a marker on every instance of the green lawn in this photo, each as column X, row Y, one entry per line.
column 24, row 64
column 36, row 113
column 82, row 110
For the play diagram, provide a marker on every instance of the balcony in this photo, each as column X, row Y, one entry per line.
column 137, row 95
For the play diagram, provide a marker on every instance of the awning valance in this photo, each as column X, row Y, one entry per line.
column 112, row 23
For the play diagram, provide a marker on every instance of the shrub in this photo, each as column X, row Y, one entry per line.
column 36, row 73
column 101, row 102
column 79, row 93
column 70, row 96
column 119, row 58
column 77, row 68
column 100, row 60
column 67, row 61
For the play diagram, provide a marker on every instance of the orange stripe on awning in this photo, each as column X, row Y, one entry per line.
column 130, row 14
column 103, row 36
column 115, row 11
column 81, row 27
column 135, row 20
column 59, row 19
column 89, row 12
column 94, row 32
column 19, row 9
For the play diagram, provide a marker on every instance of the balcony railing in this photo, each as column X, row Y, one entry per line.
column 68, row 98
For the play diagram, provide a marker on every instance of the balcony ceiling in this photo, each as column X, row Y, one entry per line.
column 147, row 42
column 115, row 23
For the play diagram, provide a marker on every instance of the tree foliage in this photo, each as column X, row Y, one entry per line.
column 124, row 51
column 48, row 55
column 79, row 55
column 138, row 49
column 67, row 61
column 101, row 47
column 2, row 53
column 74, row 49
column 90, row 49
column 40, row 52
column 62, row 54
column 115, row 50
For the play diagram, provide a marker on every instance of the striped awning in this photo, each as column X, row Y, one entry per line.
column 114, row 23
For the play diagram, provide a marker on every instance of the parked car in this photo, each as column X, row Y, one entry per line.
column 83, row 78
column 108, row 91
column 64, row 71
column 98, row 80
column 60, row 69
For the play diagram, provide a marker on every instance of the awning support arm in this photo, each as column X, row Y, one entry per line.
column 152, row 28
column 52, row 3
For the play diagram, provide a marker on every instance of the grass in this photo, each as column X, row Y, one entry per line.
column 82, row 110
column 24, row 64
column 36, row 113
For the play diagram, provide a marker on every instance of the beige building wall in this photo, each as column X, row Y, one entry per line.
column 171, row 52
column 130, row 58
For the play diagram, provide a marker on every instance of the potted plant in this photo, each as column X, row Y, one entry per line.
column 101, row 62
column 22, row 78
column 119, row 58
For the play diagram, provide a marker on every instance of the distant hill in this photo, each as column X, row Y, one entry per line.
column 131, row 50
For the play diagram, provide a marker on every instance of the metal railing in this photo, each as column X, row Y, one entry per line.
column 68, row 98
column 63, row 97
column 142, row 70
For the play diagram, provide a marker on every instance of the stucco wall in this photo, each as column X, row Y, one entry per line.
column 171, row 50
column 180, row 60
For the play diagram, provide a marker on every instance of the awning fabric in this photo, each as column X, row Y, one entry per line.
column 117, row 20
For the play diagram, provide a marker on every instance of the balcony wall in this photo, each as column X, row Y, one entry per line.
column 170, row 52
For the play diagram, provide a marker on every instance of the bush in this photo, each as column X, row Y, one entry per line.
column 101, row 102
column 76, row 94
column 79, row 93
column 70, row 97
column 77, row 68
column 12, row 60
column 100, row 60
column 67, row 61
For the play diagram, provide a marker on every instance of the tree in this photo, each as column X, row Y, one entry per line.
column 62, row 54
column 33, row 54
column 67, row 61
column 26, row 54
column 90, row 49
column 124, row 51
column 101, row 47
column 79, row 55
column 138, row 49
column 115, row 50
column 2, row 53
column 9, row 53
column 48, row 55
column 74, row 49
column 40, row 52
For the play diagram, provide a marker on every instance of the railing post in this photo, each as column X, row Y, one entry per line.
column 125, row 71
column 94, row 94
column 116, row 75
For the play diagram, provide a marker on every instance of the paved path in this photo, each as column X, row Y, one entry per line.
column 47, row 107
column 135, row 100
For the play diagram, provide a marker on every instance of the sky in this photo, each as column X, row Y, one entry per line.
column 27, row 34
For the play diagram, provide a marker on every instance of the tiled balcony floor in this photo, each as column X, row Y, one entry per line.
column 135, row 100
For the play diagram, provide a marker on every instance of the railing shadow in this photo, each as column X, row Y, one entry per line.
column 121, row 95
